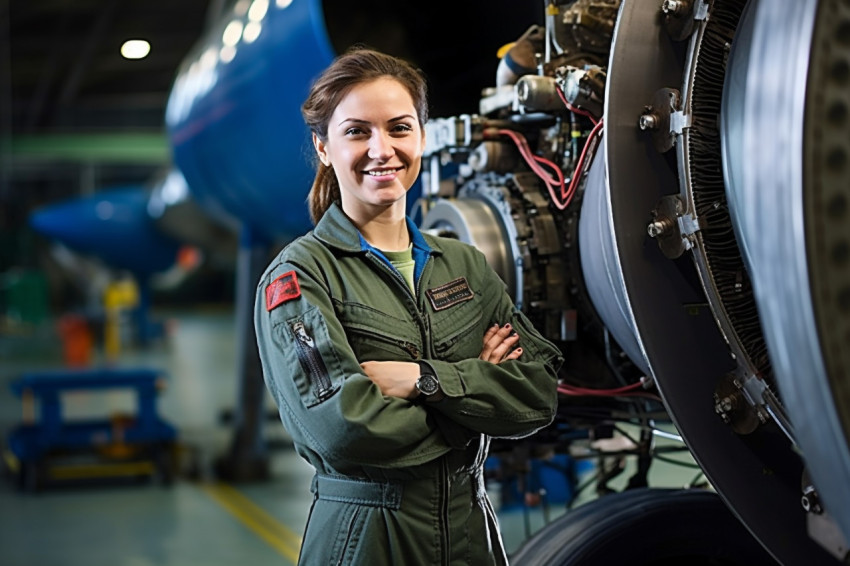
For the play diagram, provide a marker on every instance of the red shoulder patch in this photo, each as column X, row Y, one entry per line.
column 284, row 288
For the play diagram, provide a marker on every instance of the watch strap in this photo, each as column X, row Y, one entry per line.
column 426, row 368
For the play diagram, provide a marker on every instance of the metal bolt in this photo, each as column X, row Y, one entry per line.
column 722, row 408
column 811, row 501
column 648, row 122
column 673, row 7
column 658, row 227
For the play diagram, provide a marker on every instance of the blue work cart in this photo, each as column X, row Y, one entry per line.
column 48, row 448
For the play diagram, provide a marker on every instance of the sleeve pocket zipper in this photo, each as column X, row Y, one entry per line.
column 311, row 360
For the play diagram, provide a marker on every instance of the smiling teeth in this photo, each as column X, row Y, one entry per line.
column 382, row 172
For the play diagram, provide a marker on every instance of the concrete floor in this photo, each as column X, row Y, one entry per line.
column 196, row 520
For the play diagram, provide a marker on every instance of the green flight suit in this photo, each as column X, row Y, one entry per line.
column 397, row 482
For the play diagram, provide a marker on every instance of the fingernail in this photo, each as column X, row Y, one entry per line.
column 508, row 325
column 495, row 325
column 519, row 351
column 513, row 333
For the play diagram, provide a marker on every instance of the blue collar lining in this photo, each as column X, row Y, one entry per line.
column 421, row 249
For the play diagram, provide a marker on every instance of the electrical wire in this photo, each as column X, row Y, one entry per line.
column 625, row 391
column 534, row 162
column 574, row 109
column 579, row 170
column 602, row 392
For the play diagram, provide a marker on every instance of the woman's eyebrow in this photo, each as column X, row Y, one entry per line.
column 360, row 121
column 354, row 121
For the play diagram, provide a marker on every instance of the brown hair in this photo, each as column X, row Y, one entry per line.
column 356, row 66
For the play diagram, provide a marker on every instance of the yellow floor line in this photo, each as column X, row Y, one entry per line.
column 276, row 535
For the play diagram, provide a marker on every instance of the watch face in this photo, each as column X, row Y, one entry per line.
column 427, row 384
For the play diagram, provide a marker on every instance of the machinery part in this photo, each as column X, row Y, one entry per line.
column 658, row 119
column 652, row 527
column 536, row 92
column 671, row 227
column 493, row 156
column 681, row 16
column 475, row 221
column 521, row 58
column 452, row 133
column 715, row 250
column 584, row 88
column 600, row 263
column 508, row 219
column 800, row 183
column 732, row 406
column 684, row 347
column 583, row 26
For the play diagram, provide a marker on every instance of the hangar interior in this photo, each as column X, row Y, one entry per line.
column 661, row 185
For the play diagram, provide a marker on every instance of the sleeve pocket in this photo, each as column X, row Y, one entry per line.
column 310, row 353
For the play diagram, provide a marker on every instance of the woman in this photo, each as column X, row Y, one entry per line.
column 392, row 355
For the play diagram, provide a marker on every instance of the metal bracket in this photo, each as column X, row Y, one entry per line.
column 672, row 227
column 658, row 119
column 680, row 16
column 679, row 121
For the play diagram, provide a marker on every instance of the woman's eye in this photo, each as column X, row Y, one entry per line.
column 353, row 131
column 402, row 128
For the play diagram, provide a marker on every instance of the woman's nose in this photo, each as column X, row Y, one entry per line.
column 380, row 146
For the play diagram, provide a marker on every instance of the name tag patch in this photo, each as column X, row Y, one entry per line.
column 284, row 288
column 450, row 294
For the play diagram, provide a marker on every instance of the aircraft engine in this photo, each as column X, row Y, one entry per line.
column 662, row 186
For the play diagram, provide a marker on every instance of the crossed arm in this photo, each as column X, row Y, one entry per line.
column 398, row 379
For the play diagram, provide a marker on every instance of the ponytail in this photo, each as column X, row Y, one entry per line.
column 323, row 193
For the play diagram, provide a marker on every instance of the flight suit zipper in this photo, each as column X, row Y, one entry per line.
column 349, row 533
column 445, row 493
column 311, row 360
column 393, row 273
column 397, row 277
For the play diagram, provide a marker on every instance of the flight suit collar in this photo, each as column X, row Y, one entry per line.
column 335, row 229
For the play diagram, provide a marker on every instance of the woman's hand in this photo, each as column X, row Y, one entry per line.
column 394, row 379
column 499, row 342
column 398, row 379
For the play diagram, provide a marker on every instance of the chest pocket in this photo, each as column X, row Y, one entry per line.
column 458, row 330
column 377, row 336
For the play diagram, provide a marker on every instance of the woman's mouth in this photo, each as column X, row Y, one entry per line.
column 383, row 173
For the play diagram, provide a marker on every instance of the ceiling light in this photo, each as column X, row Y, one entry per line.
column 135, row 49
column 258, row 10
column 232, row 33
column 252, row 31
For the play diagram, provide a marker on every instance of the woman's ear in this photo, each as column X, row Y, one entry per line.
column 321, row 150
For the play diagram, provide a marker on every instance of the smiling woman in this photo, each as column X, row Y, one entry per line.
column 374, row 145
column 392, row 355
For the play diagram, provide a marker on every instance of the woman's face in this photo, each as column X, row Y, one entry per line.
column 375, row 144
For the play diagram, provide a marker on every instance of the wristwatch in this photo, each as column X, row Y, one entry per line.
column 428, row 384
